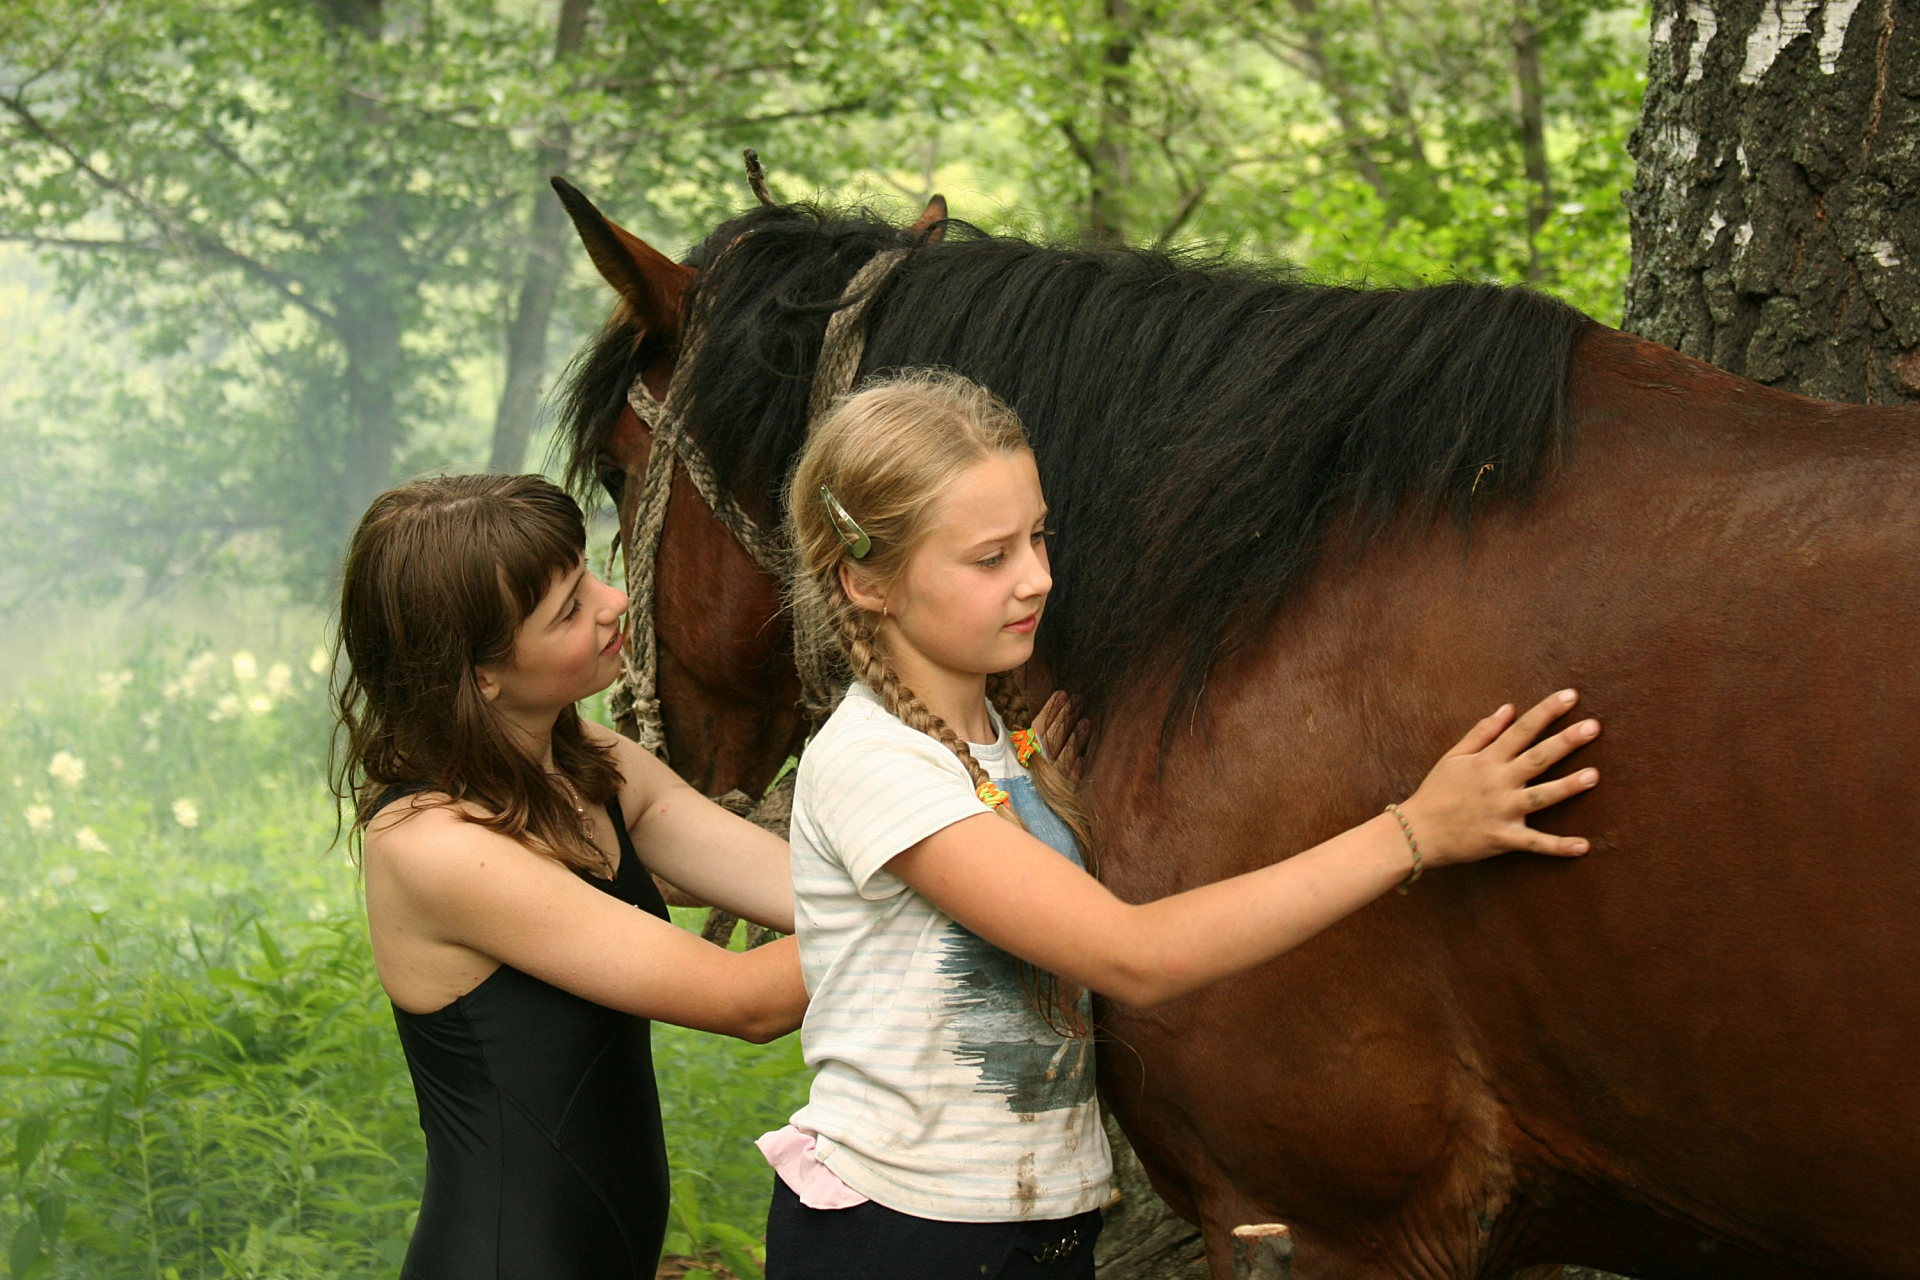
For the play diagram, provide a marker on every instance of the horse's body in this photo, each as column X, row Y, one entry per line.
column 1689, row 1054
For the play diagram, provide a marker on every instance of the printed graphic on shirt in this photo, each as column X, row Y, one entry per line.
column 1001, row 1034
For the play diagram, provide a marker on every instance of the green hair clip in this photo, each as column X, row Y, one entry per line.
column 850, row 532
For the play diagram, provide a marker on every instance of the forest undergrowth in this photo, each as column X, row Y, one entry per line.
column 199, row 1075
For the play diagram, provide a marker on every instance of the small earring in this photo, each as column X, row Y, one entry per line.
column 883, row 610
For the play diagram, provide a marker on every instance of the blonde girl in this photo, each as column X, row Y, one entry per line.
column 947, row 920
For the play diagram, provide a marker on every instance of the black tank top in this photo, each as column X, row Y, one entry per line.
column 545, row 1159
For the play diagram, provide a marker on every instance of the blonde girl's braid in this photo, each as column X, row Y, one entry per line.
column 875, row 670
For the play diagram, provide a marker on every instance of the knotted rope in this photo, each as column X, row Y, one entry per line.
column 636, row 694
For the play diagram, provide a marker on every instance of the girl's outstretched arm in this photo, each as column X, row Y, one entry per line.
column 1020, row 895
column 455, row 895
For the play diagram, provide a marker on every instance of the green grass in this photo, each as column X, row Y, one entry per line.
column 199, row 1075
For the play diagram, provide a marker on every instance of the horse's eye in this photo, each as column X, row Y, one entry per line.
column 613, row 479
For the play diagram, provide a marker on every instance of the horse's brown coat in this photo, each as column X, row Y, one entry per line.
column 1690, row 1054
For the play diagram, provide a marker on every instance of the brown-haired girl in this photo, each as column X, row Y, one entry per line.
column 506, row 845
column 939, row 867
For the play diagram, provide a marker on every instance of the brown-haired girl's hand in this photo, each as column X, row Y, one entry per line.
column 1064, row 740
column 1475, row 802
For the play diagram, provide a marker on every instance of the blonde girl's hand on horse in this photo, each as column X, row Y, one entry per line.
column 1475, row 802
column 449, row 900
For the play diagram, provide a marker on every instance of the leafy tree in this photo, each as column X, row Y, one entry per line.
column 311, row 221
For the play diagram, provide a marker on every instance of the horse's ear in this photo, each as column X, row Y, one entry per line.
column 650, row 282
column 931, row 225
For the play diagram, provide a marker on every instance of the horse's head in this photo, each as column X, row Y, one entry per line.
column 730, row 694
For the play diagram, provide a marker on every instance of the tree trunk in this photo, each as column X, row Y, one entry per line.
column 1340, row 96
column 1399, row 101
column 1529, row 106
column 549, row 236
column 375, row 286
column 1774, row 208
column 1111, row 172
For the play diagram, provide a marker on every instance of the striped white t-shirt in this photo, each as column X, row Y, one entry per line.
column 939, row 1091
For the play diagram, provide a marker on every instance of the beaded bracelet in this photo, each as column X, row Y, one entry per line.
column 1406, row 829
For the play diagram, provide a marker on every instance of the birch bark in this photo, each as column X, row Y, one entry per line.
column 1778, row 186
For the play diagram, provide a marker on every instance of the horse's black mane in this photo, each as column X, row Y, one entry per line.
column 1200, row 427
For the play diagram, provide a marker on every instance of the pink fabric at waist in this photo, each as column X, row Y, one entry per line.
column 790, row 1152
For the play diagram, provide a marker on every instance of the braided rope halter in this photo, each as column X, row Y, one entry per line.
column 636, row 694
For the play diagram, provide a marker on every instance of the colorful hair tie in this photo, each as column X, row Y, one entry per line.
column 1027, row 744
column 992, row 796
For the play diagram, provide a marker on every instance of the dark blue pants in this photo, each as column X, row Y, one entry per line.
column 873, row 1242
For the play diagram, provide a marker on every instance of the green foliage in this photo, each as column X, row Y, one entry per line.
column 199, row 1076
column 230, row 1107
column 718, row 1096
column 1356, row 138
column 301, row 227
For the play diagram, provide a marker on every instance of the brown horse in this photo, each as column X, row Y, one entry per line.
column 1689, row 1054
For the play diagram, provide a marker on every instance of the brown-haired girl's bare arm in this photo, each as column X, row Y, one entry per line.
column 448, row 901
column 1023, row 897
column 697, row 846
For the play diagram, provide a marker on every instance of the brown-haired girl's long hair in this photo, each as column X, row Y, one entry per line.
column 886, row 452
column 439, row 576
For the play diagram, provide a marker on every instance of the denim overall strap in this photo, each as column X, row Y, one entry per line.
column 1041, row 821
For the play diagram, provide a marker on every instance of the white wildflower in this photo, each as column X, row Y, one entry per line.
column 279, row 680
column 63, row 876
column 186, row 811
column 318, row 662
column 259, row 704
column 69, row 769
column 150, row 719
column 89, row 839
column 194, row 678
column 244, row 666
column 227, row 706
column 112, row 682
column 40, row 817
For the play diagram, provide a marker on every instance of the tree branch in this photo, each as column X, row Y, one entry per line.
column 72, row 242
column 814, row 113
column 187, row 240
